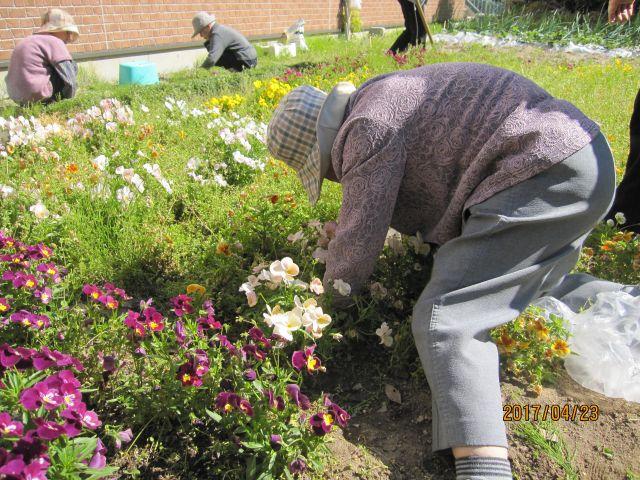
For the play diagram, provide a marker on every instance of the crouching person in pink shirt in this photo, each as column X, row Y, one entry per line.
column 506, row 180
column 41, row 68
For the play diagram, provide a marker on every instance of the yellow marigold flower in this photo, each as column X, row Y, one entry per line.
column 561, row 348
column 195, row 288
column 506, row 344
column 72, row 168
column 623, row 237
column 542, row 332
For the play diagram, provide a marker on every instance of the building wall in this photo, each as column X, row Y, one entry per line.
column 108, row 25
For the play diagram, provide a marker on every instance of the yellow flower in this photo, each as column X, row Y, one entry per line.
column 561, row 348
column 195, row 288
column 257, row 84
column 542, row 332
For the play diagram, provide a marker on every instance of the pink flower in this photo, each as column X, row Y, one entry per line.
column 108, row 301
column 276, row 442
column 132, row 321
column 8, row 427
column 341, row 416
column 48, row 430
column 299, row 398
column 321, row 423
column 92, row 291
column 180, row 332
column 154, row 319
column 43, row 294
column 182, row 305
column 5, row 306
column 274, row 402
column 301, row 359
column 99, row 460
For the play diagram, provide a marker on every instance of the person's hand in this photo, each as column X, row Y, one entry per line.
column 620, row 11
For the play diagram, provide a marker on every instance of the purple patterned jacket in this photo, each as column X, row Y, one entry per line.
column 419, row 147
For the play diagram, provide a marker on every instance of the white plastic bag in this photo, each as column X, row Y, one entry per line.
column 606, row 339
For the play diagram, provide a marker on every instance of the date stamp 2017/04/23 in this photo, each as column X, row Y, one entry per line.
column 513, row 412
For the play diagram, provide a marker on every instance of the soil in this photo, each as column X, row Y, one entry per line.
column 387, row 440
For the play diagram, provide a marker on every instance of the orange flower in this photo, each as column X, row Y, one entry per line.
column 195, row 288
column 223, row 249
column 561, row 348
column 608, row 246
column 72, row 168
column 273, row 198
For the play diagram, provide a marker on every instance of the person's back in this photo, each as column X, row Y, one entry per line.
column 30, row 67
column 229, row 49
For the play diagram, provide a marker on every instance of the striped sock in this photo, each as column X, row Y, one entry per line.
column 483, row 468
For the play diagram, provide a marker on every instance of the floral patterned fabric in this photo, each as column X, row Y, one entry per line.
column 419, row 147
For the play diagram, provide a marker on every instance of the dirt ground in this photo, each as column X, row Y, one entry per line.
column 387, row 440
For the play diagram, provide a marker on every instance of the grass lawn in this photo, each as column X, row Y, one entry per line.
column 168, row 190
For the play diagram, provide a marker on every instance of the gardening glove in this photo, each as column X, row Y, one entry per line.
column 620, row 11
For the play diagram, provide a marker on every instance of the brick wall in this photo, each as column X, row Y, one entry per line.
column 117, row 24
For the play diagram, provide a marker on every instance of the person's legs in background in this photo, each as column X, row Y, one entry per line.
column 407, row 37
column 514, row 247
column 627, row 198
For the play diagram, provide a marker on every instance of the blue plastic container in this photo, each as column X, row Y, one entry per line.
column 138, row 73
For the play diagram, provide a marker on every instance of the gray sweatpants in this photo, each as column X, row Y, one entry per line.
column 514, row 247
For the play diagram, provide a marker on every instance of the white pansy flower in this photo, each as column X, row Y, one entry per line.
column 384, row 332
column 286, row 324
column 394, row 242
column 294, row 237
column 124, row 195
column 166, row 185
column 144, row 108
column 6, row 191
column 378, row 291
column 126, row 173
column 220, row 180
column 283, row 270
column 316, row 286
column 100, row 162
column 342, row 287
column 39, row 210
column 137, row 182
column 419, row 245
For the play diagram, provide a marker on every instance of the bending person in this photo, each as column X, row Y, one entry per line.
column 41, row 68
column 227, row 47
column 507, row 180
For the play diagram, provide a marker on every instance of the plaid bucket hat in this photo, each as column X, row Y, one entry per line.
column 302, row 131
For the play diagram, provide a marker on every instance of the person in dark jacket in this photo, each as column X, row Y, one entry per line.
column 41, row 68
column 414, row 31
column 227, row 47
column 627, row 200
